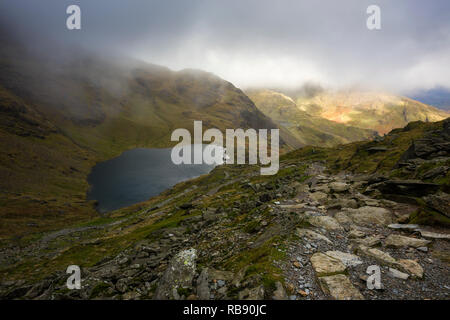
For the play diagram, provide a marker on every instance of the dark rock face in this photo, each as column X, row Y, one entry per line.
column 439, row 202
column 407, row 187
column 377, row 149
column 434, row 144
column 186, row 206
column 435, row 172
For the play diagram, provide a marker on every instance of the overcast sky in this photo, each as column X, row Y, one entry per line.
column 259, row 42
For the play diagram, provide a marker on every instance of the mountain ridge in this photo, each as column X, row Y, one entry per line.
column 308, row 128
column 60, row 118
column 378, row 111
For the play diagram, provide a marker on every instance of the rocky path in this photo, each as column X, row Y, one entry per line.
column 303, row 235
column 354, row 231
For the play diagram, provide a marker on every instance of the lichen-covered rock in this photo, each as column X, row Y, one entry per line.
column 179, row 274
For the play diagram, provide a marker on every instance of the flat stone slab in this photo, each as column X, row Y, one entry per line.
column 398, row 241
column 306, row 233
column 398, row 226
column 326, row 222
column 398, row 274
column 370, row 215
column 348, row 259
column 412, row 267
column 370, row 241
column 339, row 287
column 381, row 256
column 434, row 235
column 292, row 206
column 325, row 265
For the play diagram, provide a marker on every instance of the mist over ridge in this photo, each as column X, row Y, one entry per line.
column 256, row 43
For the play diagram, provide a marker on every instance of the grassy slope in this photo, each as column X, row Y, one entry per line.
column 60, row 118
column 369, row 110
column 308, row 129
column 355, row 157
column 137, row 223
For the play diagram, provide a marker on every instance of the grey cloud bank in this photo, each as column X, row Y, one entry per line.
column 279, row 43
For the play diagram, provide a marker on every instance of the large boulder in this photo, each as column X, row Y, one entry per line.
column 435, row 143
column 179, row 274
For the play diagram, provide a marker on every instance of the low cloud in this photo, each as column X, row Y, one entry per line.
column 252, row 43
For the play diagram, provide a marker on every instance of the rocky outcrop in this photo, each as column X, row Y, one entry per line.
column 439, row 202
column 179, row 275
column 415, row 188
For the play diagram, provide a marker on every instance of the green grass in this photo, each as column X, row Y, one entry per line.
column 260, row 261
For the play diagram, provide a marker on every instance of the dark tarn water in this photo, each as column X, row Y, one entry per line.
column 135, row 176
